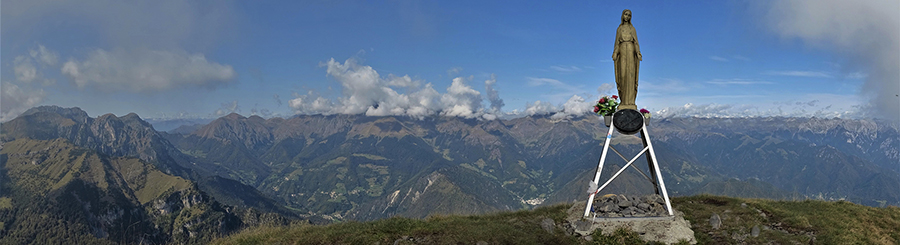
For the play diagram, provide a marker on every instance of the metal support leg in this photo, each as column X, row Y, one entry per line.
column 650, row 160
column 587, row 209
column 652, row 157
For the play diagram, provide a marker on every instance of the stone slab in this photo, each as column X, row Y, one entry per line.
column 665, row 229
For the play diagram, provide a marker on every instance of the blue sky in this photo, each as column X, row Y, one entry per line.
column 171, row 59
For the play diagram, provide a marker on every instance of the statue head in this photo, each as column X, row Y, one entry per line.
column 626, row 16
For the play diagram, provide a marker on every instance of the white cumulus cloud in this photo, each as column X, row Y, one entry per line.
column 24, row 69
column 364, row 91
column 540, row 108
column 461, row 100
column 576, row 106
column 146, row 70
column 27, row 71
column 15, row 100
column 46, row 56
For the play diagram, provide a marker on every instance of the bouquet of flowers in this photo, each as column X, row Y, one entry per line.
column 606, row 106
column 646, row 113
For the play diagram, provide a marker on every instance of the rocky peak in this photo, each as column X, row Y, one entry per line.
column 234, row 116
column 74, row 113
column 117, row 136
column 253, row 132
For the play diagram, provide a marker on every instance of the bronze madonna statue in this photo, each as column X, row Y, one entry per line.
column 627, row 59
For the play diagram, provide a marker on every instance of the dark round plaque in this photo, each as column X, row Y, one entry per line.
column 628, row 121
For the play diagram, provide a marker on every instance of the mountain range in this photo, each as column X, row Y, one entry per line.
column 355, row 167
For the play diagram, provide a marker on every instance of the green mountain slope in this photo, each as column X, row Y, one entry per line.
column 130, row 136
column 54, row 192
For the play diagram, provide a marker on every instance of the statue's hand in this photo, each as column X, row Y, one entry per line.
column 640, row 58
column 615, row 56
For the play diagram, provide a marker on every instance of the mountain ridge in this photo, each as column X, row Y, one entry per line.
column 339, row 166
column 522, row 149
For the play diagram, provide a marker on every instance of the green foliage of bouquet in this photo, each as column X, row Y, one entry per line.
column 606, row 105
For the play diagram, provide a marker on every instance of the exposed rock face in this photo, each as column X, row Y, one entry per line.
column 115, row 136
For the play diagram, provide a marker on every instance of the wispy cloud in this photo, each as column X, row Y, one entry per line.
column 857, row 75
column 666, row 85
column 560, row 90
column 740, row 57
column 718, row 58
column 537, row 81
column 736, row 81
column 454, row 71
column 819, row 74
column 566, row 68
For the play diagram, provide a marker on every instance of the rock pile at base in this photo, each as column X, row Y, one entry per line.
column 616, row 206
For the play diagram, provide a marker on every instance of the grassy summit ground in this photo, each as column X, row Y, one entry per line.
column 782, row 222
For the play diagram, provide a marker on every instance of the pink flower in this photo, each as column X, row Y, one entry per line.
column 615, row 97
column 602, row 100
column 644, row 111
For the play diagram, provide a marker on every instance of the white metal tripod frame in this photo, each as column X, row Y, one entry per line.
column 648, row 149
column 633, row 166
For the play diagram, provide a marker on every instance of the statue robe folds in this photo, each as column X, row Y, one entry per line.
column 627, row 59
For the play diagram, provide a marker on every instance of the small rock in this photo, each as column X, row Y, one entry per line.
column 588, row 238
column 608, row 208
column 644, row 206
column 624, row 204
column 715, row 221
column 583, row 228
column 659, row 199
column 744, row 205
column 548, row 225
column 755, row 231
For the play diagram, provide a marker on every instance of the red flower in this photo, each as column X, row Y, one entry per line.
column 596, row 109
column 615, row 97
column 602, row 100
